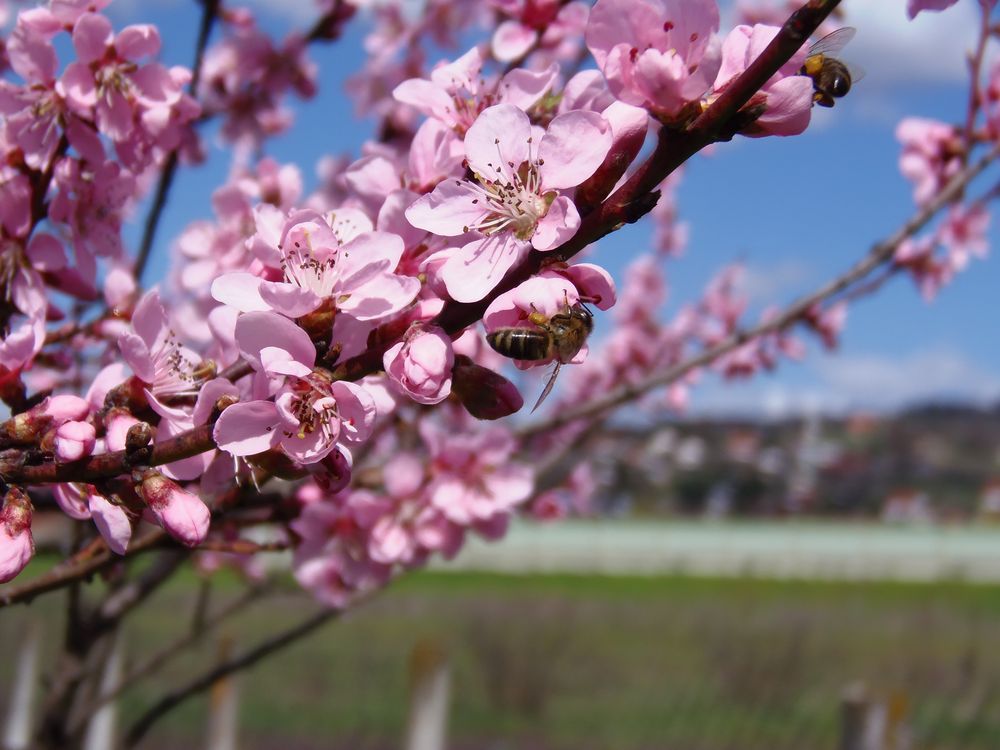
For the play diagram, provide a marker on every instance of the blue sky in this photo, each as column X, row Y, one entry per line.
column 795, row 210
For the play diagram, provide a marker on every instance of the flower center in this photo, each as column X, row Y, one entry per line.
column 513, row 198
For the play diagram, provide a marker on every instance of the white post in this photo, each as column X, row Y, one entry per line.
column 17, row 732
column 430, row 689
column 104, row 723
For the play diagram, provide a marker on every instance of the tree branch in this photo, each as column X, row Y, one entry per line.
column 637, row 196
column 879, row 254
column 203, row 682
column 210, row 11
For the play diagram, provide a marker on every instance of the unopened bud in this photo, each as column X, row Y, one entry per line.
column 181, row 514
column 16, row 543
column 484, row 394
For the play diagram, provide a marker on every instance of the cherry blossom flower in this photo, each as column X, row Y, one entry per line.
column 514, row 199
column 545, row 23
column 332, row 558
column 656, row 54
column 787, row 97
column 931, row 155
column 311, row 414
column 457, row 93
column 474, row 482
column 331, row 259
column 156, row 357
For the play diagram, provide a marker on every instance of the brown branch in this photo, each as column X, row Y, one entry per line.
column 879, row 254
column 204, row 681
column 153, row 664
column 210, row 11
column 638, row 195
column 187, row 444
column 76, row 568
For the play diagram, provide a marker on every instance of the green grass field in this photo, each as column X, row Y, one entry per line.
column 560, row 662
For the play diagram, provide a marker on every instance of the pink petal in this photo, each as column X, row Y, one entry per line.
column 246, row 429
column 112, row 522
column 92, row 35
column 241, row 291
column 449, row 210
column 557, row 226
column 476, row 268
column 572, row 149
column 138, row 40
column 288, row 299
column 257, row 330
column 497, row 142
column 511, row 40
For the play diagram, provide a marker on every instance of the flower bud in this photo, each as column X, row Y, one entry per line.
column 421, row 365
column 16, row 543
column 30, row 426
column 73, row 441
column 181, row 514
column 485, row 394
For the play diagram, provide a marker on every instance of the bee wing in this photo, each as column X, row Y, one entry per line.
column 856, row 71
column 548, row 387
column 833, row 42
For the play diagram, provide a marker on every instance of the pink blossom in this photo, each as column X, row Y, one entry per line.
column 514, row 200
column 473, row 479
column 181, row 514
column 16, row 543
column 931, row 155
column 332, row 559
column 543, row 23
column 322, row 259
column 155, row 355
column 656, row 54
column 787, row 97
column 963, row 233
column 420, row 366
column 310, row 416
column 129, row 101
column 457, row 92
column 913, row 7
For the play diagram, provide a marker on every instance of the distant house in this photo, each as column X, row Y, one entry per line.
column 906, row 506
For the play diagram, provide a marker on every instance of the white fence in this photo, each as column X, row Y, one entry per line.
column 762, row 549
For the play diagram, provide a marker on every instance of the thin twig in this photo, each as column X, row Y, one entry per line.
column 74, row 569
column 203, row 682
column 879, row 254
column 210, row 11
column 153, row 664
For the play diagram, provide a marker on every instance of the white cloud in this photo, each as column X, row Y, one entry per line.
column 894, row 50
column 776, row 281
column 838, row 383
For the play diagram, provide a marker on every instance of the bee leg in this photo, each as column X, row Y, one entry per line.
column 548, row 387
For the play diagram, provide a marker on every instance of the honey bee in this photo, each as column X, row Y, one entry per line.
column 560, row 338
column 832, row 78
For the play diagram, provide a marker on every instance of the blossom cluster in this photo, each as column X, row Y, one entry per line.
column 334, row 340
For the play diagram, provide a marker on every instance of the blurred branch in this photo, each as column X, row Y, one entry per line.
column 155, row 662
column 205, row 681
column 210, row 11
column 879, row 254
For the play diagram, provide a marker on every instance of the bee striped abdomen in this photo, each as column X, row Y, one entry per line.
column 520, row 343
